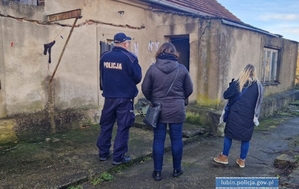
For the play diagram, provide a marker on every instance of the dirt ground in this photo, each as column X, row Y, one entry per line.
column 70, row 160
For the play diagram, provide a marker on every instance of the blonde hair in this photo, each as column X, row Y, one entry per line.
column 246, row 75
column 167, row 48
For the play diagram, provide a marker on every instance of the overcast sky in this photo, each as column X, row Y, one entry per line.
column 275, row 16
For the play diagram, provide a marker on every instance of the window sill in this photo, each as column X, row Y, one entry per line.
column 270, row 83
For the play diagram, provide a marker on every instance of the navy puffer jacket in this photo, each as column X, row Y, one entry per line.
column 156, row 83
column 240, row 125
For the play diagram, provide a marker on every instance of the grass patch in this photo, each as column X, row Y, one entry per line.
column 103, row 177
column 296, row 114
column 187, row 164
column 145, row 159
column 296, row 103
column 75, row 187
column 280, row 116
column 268, row 123
column 192, row 117
column 284, row 113
column 108, row 175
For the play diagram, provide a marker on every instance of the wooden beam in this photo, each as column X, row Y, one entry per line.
column 65, row 15
column 68, row 38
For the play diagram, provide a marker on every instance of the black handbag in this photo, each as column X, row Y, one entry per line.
column 152, row 114
column 154, row 109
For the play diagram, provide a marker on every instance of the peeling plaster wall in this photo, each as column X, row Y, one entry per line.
column 25, row 68
column 172, row 25
column 40, row 107
column 241, row 47
column 76, row 77
column 225, row 50
column 2, row 74
column 152, row 27
column 37, row 107
column 208, row 66
column 17, row 10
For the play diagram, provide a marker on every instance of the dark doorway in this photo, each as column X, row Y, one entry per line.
column 182, row 45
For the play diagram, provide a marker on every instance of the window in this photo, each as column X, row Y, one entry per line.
column 40, row 2
column 106, row 46
column 32, row 2
column 269, row 67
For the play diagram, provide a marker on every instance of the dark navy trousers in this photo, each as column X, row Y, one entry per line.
column 122, row 111
column 176, row 138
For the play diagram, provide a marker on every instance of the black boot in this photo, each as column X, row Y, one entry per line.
column 177, row 173
column 157, row 175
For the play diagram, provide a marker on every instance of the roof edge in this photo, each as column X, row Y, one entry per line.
column 248, row 27
column 179, row 7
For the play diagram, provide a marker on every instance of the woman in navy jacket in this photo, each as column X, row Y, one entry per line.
column 156, row 83
column 244, row 96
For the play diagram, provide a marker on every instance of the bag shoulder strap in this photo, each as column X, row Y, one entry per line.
column 173, row 81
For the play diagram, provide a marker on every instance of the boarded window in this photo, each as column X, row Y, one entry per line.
column 270, row 67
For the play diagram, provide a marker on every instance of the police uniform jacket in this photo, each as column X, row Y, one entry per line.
column 119, row 73
column 157, row 81
column 240, row 125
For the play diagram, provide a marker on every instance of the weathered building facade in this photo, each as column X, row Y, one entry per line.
column 37, row 97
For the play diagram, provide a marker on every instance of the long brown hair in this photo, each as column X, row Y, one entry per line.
column 168, row 48
column 247, row 75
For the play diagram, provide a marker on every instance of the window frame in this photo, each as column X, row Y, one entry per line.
column 32, row 2
column 270, row 66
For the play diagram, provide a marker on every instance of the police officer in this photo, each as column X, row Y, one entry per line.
column 120, row 72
